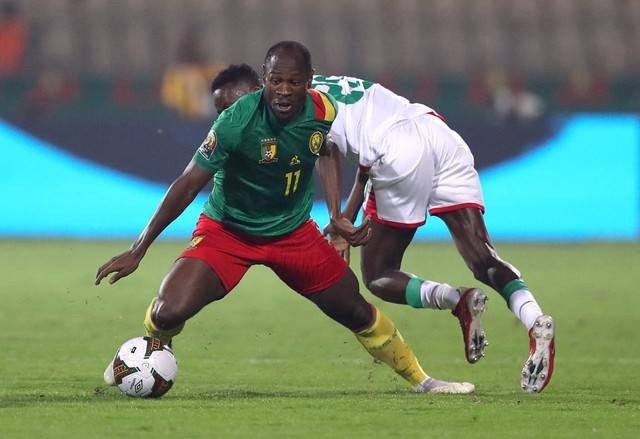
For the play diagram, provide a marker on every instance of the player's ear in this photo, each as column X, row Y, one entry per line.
column 264, row 73
column 313, row 72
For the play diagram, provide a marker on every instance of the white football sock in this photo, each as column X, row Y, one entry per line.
column 438, row 296
column 524, row 306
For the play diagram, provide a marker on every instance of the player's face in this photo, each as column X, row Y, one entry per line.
column 285, row 85
column 226, row 95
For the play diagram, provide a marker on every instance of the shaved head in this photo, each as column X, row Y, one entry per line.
column 294, row 50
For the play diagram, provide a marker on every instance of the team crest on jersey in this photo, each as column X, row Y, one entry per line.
column 315, row 142
column 209, row 145
column 268, row 150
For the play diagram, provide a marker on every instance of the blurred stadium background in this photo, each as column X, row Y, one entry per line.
column 102, row 102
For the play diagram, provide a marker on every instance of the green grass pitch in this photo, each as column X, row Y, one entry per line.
column 265, row 363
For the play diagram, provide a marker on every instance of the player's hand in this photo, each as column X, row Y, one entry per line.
column 122, row 265
column 355, row 236
column 340, row 244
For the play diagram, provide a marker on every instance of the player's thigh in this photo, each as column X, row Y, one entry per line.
column 227, row 254
column 305, row 261
column 385, row 249
column 474, row 245
column 190, row 285
column 309, row 265
column 467, row 227
column 343, row 302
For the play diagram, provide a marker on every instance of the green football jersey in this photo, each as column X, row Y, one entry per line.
column 263, row 169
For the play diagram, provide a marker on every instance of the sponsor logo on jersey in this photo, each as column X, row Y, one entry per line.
column 295, row 160
column 268, row 150
column 209, row 145
column 315, row 142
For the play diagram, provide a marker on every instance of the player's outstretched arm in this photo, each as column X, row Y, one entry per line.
column 180, row 194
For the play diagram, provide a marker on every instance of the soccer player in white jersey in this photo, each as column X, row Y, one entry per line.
column 410, row 163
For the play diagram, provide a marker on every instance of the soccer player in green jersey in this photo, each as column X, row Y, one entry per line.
column 411, row 162
column 261, row 153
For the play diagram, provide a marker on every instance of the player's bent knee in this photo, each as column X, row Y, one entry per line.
column 362, row 316
column 373, row 276
column 368, row 281
column 480, row 270
column 493, row 271
column 376, row 286
column 166, row 316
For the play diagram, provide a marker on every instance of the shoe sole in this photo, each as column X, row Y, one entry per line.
column 475, row 341
column 454, row 389
column 537, row 370
column 443, row 387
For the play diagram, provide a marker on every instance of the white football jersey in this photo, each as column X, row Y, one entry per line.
column 366, row 111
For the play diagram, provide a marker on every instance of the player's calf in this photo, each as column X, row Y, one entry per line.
column 384, row 342
column 153, row 327
column 152, row 330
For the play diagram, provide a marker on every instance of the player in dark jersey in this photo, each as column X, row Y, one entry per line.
column 399, row 163
column 261, row 154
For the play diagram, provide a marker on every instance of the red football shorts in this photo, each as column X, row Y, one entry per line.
column 303, row 259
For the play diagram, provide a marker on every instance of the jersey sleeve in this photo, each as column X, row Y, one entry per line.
column 220, row 141
column 325, row 106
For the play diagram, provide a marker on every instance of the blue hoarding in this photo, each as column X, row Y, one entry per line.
column 582, row 184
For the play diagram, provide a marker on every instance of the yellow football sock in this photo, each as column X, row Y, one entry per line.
column 153, row 331
column 385, row 343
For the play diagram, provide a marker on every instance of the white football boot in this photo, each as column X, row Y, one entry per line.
column 538, row 368
column 431, row 385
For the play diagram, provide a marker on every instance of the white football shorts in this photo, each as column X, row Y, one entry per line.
column 427, row 167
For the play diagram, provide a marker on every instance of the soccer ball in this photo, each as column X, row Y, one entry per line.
column 144, row 368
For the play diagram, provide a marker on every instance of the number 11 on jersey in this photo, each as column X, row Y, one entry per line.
column 292, row 178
